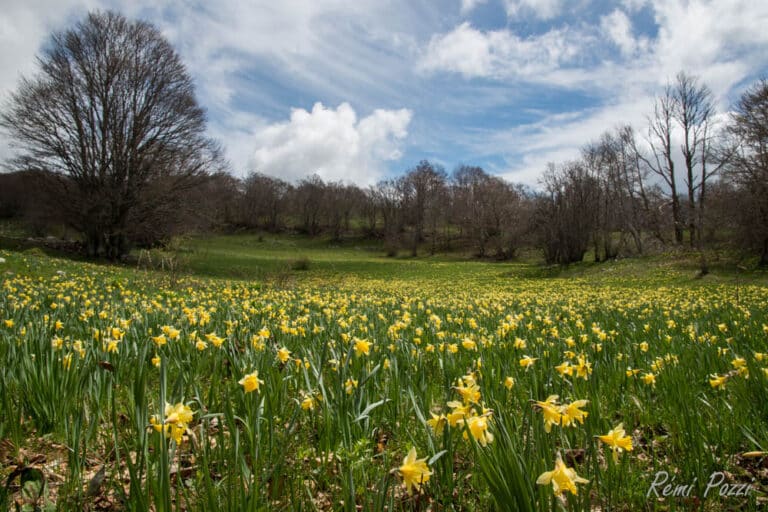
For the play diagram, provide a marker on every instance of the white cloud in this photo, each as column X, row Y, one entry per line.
column 258, row 56
column 252, row 60
column 332, row 143
column 501, row 53
column 559, row 137
column 617, row 27
column 723, row 42
column 542, row 9
column 24, row 26
column 468, row 5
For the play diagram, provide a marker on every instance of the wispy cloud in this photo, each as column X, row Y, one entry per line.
column 723, row 42
column 617, row 27
column 542, row 9
column 511, row 92
column 468, row 5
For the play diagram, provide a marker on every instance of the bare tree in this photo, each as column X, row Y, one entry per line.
column 749, row 165
column 622, row 199
column 389, row 200
column 661, row 162
column 309, row 199
column 265, row 201
column 563, row 220
column 340, row 201
column 113, row 111
column 421, row 188
column 469, row 205
column 369, row 211
column 487, row 209
column 693, row 109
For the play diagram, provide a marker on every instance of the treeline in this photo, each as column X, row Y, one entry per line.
column 113, row 146
column 625, row 195
column 689, row 178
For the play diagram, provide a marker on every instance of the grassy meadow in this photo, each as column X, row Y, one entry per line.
column 280, row 373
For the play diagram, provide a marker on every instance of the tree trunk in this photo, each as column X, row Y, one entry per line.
column 676, row 217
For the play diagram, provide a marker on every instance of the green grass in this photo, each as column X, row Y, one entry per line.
column 270, row 257
column 264, row 257
column 79, row 386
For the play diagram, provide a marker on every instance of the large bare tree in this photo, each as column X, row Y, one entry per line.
column 111, row 112
column 693, row 110
column 661, row 160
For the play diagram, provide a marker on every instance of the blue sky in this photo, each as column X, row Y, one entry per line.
column 359, row 91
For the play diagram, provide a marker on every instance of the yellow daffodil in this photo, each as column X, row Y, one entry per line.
column 649, row 379
column 564, row 369
column 415, row 472
column 551, row 411
column 177, row 417
column 437, row 423
column 251, row 382
column 583, row 368
column 562, row 478
column 572, row 413
column 478, row 427
column 717, row 381
column 362, row 347
column 458, row 412
column 283, row 354
column 618, row 440
column 215, row 340
column 308, row 404
column 350, row 385
column 469, row 393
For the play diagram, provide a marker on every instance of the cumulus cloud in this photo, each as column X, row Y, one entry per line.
column 501, row 53
column 258, row 57
column 333, row 143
